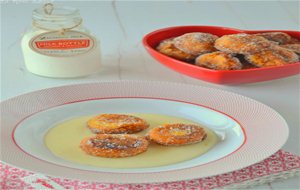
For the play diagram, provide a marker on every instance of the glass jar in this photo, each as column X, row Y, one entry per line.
column 57, row 45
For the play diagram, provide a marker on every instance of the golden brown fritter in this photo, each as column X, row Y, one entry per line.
column 242, row 43
column 114, row 145
column 219, row 61
column 267, row 58
column 287, row 55
column 279, row 37
column 294, row 41
column 177, row 134
column 196, row 43
column 293, row 47
column 277, row 56
column 167, row 47
column 116, row 123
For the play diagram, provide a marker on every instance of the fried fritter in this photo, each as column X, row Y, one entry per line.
column 279, row 37
column 114, row 145
column 116, row 123
column 242, row 43
column 267, row 58
column 196, row 43
column 294, row 41
column 167, row 47
column 177, row 134
column 293, row 47
column 219, row 61
column 288, row 55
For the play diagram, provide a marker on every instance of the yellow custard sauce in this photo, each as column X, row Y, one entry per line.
column 63, row 141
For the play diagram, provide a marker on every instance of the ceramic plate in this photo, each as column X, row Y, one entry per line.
column 248, row 130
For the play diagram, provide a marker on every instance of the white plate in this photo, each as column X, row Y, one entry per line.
column 29, row 135
column 251, row 130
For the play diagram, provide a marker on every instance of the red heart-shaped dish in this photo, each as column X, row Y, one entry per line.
column 152, row 39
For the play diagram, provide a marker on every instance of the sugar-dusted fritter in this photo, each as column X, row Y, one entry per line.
column 168, row 48
column 272, row 57
column 288, row 55
column 293, row 41
column 242, row 43
column 196, row 43
column 177, row 134
column 114, row 145
column 116, row 123
column 279, row 37
column 266, row 58
column 293, row 47
column 219, row 61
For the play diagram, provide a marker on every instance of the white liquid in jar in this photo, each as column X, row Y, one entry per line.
column 60, row 66
column 59, row 46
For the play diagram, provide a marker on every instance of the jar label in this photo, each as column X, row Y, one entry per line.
column 69, row 43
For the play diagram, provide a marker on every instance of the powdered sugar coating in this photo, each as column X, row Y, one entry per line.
column 276, row 56
column 177, row 134
column 116, row 123
column 279, row 37
column 114, row 145
column 242, row 43
column 196, row 43
column 287, row 55
column 293, row 47
column 168, row 48
column 293, row 41
column 267, row 58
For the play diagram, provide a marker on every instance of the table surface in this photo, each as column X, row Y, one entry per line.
column 120, row 26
